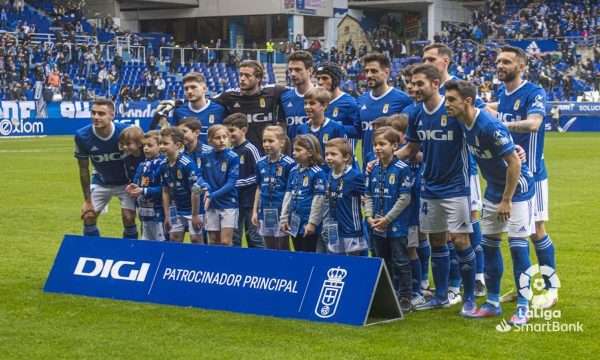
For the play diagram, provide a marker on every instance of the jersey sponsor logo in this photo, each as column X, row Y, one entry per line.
column 260, row 117
column 501, row 139
column 538, row 102
column 437, row 135
column 295, row 120
column 367, row 126
column 106, row 157
column 110, row 268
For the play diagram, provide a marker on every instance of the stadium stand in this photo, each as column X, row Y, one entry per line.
column 45, row 40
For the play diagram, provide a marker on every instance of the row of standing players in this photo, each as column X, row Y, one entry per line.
column 313, row 196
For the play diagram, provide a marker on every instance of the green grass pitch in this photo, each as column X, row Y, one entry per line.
column 40, row 201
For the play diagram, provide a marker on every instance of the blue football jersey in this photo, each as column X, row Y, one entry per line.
column 526, row 100
column 489, row 141
column 304, row 183
column 147, row 177
column 329, row 130
column 104, row 153
column 391, row 102
column 384, row 186
column 272, row 178
column 220, row 171
column 342, row 202
column 246, row 182
column 344, row 110
column 211, row 114
column 292, row 105
column 445, row 154
column 179, row 179
column 196, row 154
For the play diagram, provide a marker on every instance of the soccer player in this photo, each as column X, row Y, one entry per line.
column 237, row 124
column 342, row 225
column 261, row 104
column 445, row 212
column 300, row 68
column 99, row 142
column 440, row 56
column 342, row 108
column 381, row 99
column 522, row 107
column 301, row 212
column 146, row 189
column 507, row 202
column 196, row 106
column 272, row 175
column 324, row 129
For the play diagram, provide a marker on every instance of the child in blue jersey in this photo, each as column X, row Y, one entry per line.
column 237, row 125
column 388, row 211
column 342, row 225
column 324, row 129
column 178, row 175
column 146, row 189
column 272, row 173
column 220, row 169
column 130, row 142
column 301, row 212
column 191, row 139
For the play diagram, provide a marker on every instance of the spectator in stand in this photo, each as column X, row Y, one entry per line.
column 159, row 85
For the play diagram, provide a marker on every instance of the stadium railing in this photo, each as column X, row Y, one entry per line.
column 185, row 55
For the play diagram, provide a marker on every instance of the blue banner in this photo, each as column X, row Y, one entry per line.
column 315, row 287
column 533, row 46
column 34, row 118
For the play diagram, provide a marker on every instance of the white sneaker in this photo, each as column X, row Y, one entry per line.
column 418, row 300
column 454, row 298
column 546, row 300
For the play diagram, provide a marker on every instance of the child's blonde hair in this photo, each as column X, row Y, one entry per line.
column 153, row 134
column 310, row 143
column 131, row 134
column 318, row 93
column 212, row 131
column 280, row 134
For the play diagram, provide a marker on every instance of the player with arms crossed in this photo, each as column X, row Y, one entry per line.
column 259, row 103
column 99, row 142
column 445, row 210
column 522, row 107
column 507, row 202
column 381, row 99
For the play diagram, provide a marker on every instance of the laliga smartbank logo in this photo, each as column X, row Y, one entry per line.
column 109, row 268
column 533, row 287
column 331, row 292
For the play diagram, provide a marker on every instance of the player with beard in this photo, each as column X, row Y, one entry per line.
column 300, row 68
column 259, row 103
column 381, row 99
column 522, row 107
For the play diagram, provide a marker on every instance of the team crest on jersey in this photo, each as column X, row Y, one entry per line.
column 392, row 179
column 335, row 112
column 325, row 138
column 263, row 103
column 279, row 171
column 236, row 105
column 386, row 107
column 242, row 160
column 179, row 175
column 517, row 104
column 305, row 181
column 444, row 120
column 211, row 118
column 224, row 166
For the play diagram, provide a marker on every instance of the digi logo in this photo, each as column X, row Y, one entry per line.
column 94, row 267
column 106, row 157
column 437, row 135
column 295, row 120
